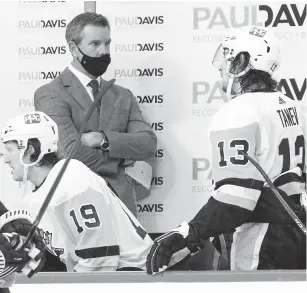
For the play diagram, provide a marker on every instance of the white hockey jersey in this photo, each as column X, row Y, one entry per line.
column 86, row 225
column 270, row 128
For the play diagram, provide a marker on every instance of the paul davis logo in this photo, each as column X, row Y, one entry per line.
column 150, row 99
column 150, row 208
column 42, row 51
column 39, row 75
column 25, row 102
column 138, row 21
column 236, row 16
column 201, row 174
column 156, row 182
column 138, row 73
column 39, row 24
column 207, row 98
column 139, row 47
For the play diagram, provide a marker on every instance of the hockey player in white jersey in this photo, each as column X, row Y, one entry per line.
column 86, row 225
column 269, row 127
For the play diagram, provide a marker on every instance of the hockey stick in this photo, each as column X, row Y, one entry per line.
column 295, row 218
column 57, row 180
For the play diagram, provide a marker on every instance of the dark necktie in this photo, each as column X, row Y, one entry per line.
column 94, row 84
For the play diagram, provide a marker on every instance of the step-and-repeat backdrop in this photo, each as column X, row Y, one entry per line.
column 162, row 51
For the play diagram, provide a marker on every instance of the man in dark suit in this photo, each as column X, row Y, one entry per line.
column 116, row 134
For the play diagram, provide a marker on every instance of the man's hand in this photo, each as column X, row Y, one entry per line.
column 9, row 255
column 92, row 139
column 14, row 258
column 169, row 249
column 18, row 223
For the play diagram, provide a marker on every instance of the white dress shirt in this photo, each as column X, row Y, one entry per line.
column 84, row 79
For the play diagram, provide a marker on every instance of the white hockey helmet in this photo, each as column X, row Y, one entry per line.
column 263, row 51
column 32, row 125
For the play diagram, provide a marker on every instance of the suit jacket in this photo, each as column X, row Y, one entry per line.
column 131, row 138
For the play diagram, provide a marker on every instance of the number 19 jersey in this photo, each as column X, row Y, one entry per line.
column 86, row 225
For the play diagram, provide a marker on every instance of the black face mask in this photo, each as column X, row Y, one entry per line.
column 95, row 66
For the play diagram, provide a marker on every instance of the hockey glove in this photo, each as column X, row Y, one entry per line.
column 11, row 258
column 171, row 248
column 19, row 222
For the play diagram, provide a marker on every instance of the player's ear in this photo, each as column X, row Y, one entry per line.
column 243, row 61
column 30, row 150
column 28, row 153
column 239, row 63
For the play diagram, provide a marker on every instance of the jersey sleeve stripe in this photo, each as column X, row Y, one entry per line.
column 293, row 188
column 241, row 192
column 240, row 182
column 96, row 252
column 139, row 230
column 289, row 177
column 291, row 182
column 227, row 198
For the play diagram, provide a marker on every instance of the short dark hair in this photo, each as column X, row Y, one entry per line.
column 254, row 80
column 48, row 160
column 75, row 28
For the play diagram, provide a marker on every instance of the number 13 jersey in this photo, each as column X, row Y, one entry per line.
column 271, row 129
